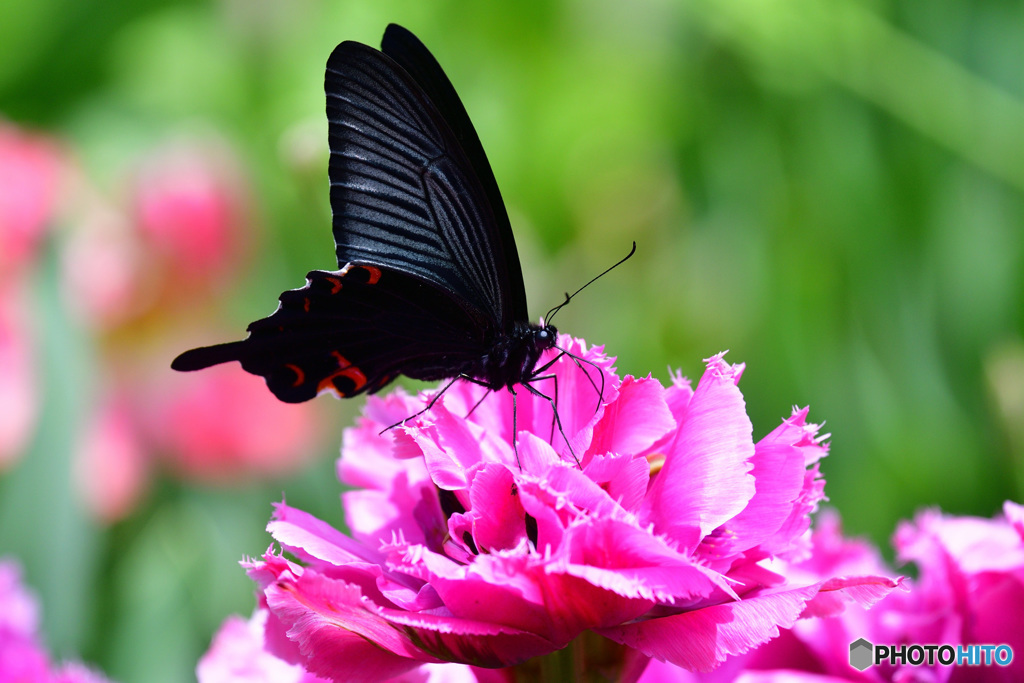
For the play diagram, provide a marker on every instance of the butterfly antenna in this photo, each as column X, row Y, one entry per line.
column 568, row 297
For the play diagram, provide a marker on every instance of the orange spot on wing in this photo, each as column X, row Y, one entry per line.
column 335, row 284
column 300, row 376
column 345, row 369
column 305, row 304
column 374, row 274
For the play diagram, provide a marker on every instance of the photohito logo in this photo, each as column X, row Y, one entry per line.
column 863, row 654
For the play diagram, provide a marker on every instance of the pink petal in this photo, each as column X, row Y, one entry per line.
column 705, row 480
column 497, row 513
column 450, row 447
column 621, row 557
column 312, row 539
column 578, row 401
column 501, row 590
column 374, row 515
column 367, row 456
column 779, row 474
column 1015, row 516
column 625, row 478
column 188, row 205
column 636, row 419
column 336, row 626
column 835, row 594
column 340, row 632
column 701, row 639
column 223, row 425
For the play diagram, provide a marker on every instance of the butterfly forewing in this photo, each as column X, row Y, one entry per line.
column 403, row 192
column 409, row 53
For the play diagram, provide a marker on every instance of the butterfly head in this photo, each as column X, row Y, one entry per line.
column 544, row 338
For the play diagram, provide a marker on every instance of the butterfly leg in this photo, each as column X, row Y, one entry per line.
column 515, row 434
column 577, row 361
column 477, row 404
column 436, row 396
column 543, row 368
column 554, row 378
column 558, row 420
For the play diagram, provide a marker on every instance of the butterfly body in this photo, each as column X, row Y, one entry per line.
column 512, row 358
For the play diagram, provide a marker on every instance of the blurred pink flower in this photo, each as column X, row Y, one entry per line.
column 112, row 465
column 971, row 584
column 970, row 590
column 189, row 207
column 23, row 660
column 236, row 655
column 30, row 166
column 19, row 611
column 22, row 657
column 103, row 269
column 30, row 170
column 19, row 390
column 171, row 241
column 222, row 425
column 467, row 549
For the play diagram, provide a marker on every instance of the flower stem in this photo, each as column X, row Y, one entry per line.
column 587, row 659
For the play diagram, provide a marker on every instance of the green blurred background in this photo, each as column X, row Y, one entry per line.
column 831, row 189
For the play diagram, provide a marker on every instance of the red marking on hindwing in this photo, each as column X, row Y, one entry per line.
column 347, row 370
column 374, row 274
column 300, row 376
column 305, row 304
column 335, row 284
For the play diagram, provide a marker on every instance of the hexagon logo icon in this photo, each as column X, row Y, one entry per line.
column 861, row 654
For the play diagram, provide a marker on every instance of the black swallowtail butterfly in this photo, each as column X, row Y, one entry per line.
column 429, row 285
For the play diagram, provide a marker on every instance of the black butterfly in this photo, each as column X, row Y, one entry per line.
column 430, row 285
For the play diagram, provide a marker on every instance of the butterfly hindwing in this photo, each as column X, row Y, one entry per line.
column 404, row 194
column 352, row 331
